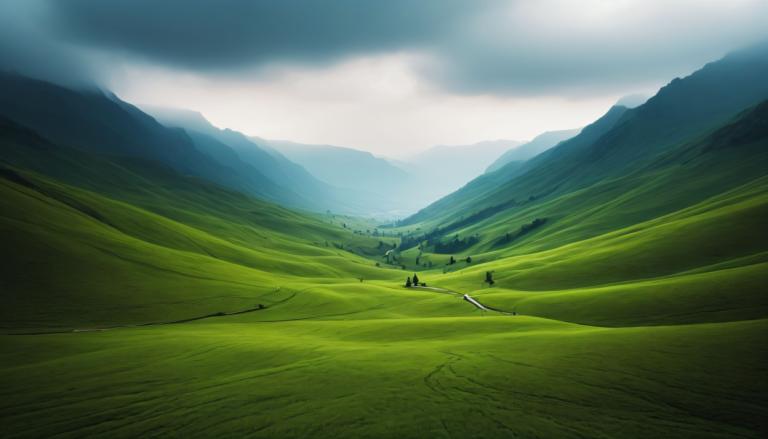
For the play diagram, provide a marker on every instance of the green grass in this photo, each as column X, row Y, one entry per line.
column 436, row 377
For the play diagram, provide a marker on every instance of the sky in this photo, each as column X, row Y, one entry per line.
column 391, row 77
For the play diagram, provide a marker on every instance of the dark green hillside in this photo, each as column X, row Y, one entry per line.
column 466, row 198
column 684, row 108
column 99, row 122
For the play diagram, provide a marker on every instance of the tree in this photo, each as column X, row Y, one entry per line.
column 451, row 261
column 469, row 259
column 408, row 282
column 489, row 278
column 415, row 279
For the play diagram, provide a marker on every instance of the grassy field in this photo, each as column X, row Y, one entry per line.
column 331, row 356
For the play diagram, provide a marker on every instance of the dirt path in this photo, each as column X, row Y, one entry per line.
column 467, row 298
column 141, row 325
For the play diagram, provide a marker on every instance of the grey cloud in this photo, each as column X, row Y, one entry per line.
column 226, row 34
column 26, row 48
column 474, row 47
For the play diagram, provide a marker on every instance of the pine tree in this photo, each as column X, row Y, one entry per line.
column 408, row 283
column 489, row 278
column 415, row 280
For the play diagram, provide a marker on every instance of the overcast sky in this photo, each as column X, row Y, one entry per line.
column 391, row 77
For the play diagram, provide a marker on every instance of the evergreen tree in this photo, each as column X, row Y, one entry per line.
column 415, row 280
column 451, row 261
column 408, row 282
column 469, row 259
column 489, row 278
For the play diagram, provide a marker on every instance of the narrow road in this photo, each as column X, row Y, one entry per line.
column 467, row 298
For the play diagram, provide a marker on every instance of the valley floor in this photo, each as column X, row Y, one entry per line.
column 406, row 364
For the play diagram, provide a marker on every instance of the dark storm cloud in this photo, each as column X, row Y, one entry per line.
column 25, row 46
column 235, row 33
column 471, row 46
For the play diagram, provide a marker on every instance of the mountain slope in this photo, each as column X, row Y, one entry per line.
column 317, row 194
column 101, row 123
column 110, row 232
column 343, row 167
column 682, row 109
column 468, row 196
column 539, row 144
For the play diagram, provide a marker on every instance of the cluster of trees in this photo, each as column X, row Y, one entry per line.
column 452, row 260
column 525, row 228
column 415, row 282
column 456, row 244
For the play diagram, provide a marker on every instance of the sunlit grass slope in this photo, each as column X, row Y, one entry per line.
column 372, row 377
column 80, row 257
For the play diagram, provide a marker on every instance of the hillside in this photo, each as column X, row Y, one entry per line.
column 526, row 151
column 623, row 139
column 385, row 184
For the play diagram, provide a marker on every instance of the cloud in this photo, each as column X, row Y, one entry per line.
column 482, row 46
column 27, row 48
column 374, row 103
column 231, row 34
column 510, row 47
column 592, row 46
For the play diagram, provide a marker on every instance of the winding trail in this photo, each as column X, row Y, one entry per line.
column 140, row 325
column 159, row 323
column 467, row 298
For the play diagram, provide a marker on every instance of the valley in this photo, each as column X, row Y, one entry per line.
column 167, row 278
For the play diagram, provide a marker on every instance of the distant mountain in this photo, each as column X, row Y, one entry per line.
column 354, row 170
column 336, row 181
column 342, row 167
column 442, row 169
column 239, row 152
column 539, row 144
column 633, row 100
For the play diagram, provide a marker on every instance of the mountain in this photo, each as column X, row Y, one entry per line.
column 99, row 122
column 623, row 139
column 442, row 169
column 539, row 144
column 342, row 180
column 481, row 187
column 354, row 170
column 343, row 167
column 242, row 154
